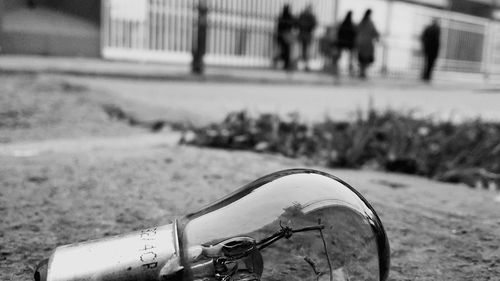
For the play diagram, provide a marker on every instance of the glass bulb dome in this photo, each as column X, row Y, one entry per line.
column 290, row 225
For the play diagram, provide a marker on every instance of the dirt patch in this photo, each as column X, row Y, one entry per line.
column 436, row 231
column 54, row 199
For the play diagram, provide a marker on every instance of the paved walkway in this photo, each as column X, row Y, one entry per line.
column 206, row 102
column 265, row 90
column 181, row 72
column 142, row 70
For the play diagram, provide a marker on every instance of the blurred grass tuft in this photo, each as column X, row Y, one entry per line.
column 468, row 152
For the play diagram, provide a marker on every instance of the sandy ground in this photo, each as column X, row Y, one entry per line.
column 436, row 231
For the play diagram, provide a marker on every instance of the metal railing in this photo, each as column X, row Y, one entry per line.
column 241, row 33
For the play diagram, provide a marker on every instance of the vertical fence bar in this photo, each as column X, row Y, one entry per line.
column 123, row 26
column 119, row 28
column 230, row 25
column 145, row 28
column 275, row 11
column 257, row 27
column 159, row 25
column 109, row 23
column 386, row 38
column 152, row 22
column 216, row 26
column 162, row 27
column 126, row 33
column 158, row 32
column 225, row 29
column 117, row 36
column 486, row 59
column 259, row 20
column 138, row 34
column 141, row 34
column 228, row 30
column 181, row 27
column 214, row 29
column 112, row 30
column 152, row 35
column 250, row 28
column 133, row 34
column 178, row 25
column 170, row 26
column 266, row 32
column 211, row 27
column 236, row 26
column 242, row 33
column 261, row 25
column 247, row 32
column 187, row 26
column 174, row 25
column 444, row 44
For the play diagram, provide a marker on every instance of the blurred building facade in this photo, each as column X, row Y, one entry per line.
column 241, row 32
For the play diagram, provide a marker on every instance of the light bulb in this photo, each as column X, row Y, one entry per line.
column 290, row 225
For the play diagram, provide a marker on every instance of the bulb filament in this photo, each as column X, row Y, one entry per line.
column 285, row 232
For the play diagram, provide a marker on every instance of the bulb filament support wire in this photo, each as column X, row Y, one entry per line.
column 287, row 232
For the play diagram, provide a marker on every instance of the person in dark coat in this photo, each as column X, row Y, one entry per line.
column 285, row 36
column 306, row 24
column 366, row 36
column 430, row 45
column 346, row 36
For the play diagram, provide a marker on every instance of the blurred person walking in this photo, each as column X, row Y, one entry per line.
column 430, row 45
column 285, row 37
column 366, row 36
column 328, row 48
column 306, row 24
column 346, row 36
